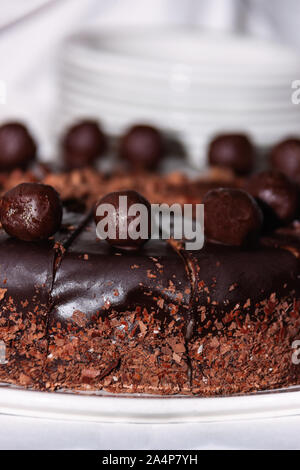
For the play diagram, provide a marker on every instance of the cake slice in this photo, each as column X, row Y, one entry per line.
column 26, row 278
column 118, row 319
column 246, row 315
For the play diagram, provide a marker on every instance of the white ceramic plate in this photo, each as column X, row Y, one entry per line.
column 107, row 408
column 178, row 124
column 178, row 74
column 175, row 83
column 159, row 50
column 236, row 100
column 179, row 118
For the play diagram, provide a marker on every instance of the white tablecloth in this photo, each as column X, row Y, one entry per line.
column 28, row 433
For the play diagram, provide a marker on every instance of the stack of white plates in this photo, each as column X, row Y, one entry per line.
column 190, row 84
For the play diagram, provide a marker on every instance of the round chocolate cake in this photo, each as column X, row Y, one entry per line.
column 79, row 313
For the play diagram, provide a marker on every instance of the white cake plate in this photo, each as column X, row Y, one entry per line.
column 143, row 409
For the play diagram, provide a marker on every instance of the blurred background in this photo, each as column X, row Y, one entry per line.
column 192, row 68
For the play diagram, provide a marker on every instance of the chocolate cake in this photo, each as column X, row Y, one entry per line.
column 80, row 314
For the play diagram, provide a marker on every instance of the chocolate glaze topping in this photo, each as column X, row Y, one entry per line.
column 95, row 278
column 226, row 277
column 32, row 284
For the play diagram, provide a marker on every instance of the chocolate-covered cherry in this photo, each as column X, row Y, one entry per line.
column 31, row 211
column 119, row 223
column 82, row 144
column 231, row 217
column 234, row 151
column 278, row 196
column 17, row 147
column 142, row 146
column 285, row 157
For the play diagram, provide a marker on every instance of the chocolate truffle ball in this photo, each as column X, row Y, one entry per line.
column 142, row 147
column 83, row 144
column 278, row 196
column 31, row 211
column 17, row 147
column 121, row 224
column 231, row 217
column 234, row 151
column 285, row 157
